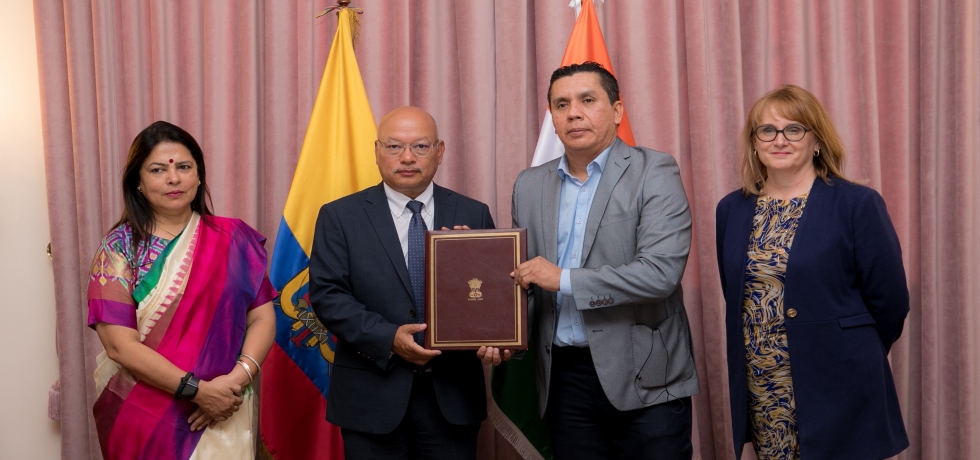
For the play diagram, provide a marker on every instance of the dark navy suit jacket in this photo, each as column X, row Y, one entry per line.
column 846, row 281
column 360, row 291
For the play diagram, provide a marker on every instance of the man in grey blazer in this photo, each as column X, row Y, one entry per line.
column 609, row 232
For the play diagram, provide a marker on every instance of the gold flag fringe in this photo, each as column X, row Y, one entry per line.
column 353, row 19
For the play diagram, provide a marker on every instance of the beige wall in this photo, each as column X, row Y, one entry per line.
column 28, row 362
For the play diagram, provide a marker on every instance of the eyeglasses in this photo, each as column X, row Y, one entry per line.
column 792, row 133
column 419, row 149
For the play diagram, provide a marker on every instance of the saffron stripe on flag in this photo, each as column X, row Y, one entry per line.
column 584, row 44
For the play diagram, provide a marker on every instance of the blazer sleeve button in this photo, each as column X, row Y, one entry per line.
column 791, row 313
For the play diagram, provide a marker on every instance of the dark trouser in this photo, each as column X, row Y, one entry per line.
column 585, row 425
column 423, row 434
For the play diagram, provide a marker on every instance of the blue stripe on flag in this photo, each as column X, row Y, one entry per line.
column 288, row 257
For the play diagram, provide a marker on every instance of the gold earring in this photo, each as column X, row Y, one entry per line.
column 755, row 152
column 816, row 153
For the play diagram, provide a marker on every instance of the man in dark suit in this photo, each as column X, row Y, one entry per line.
column 609, row 232
column 391, row 397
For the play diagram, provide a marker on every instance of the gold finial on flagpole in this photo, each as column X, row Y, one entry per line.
column 355, row 22
column 342, row 4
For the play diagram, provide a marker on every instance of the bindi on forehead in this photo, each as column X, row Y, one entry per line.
column 171, row 160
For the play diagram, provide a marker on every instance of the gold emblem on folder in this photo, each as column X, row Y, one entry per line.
column 475, row 293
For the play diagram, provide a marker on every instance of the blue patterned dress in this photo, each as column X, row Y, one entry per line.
column 772, row 409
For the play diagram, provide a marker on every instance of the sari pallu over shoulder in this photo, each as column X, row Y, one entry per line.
column 190, row 308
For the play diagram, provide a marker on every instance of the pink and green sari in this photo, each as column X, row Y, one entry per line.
column 188, row 299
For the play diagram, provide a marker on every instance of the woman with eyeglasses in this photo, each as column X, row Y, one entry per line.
column 815, row 293
column 183, row 306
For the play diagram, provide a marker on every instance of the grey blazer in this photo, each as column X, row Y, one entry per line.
column 636, row 244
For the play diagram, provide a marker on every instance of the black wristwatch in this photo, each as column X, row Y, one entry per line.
column 188, row 387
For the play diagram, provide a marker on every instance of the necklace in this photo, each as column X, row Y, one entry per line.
column 161, row 227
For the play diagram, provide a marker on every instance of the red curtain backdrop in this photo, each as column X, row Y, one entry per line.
column 900, row 78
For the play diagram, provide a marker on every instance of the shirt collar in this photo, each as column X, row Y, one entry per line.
column 398, row 202
column 598, row 164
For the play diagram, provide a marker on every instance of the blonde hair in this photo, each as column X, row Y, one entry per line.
column 797, row 104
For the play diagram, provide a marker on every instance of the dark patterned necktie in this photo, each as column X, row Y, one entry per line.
column 416, row 262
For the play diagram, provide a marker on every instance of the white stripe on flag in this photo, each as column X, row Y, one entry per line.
column 549, row 146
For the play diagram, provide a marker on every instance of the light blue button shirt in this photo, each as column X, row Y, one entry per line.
column 573, row 213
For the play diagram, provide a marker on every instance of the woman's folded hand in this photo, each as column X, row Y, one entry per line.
column 219, row 397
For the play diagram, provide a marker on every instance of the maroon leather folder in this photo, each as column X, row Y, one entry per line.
column 470, row 299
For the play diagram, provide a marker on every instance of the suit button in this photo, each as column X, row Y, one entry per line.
column 791, row 313
column 592, row 303
column 411, row 313
column 548, row 349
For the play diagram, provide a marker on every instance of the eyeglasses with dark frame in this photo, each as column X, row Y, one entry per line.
column 792, row 133
column 419, row 149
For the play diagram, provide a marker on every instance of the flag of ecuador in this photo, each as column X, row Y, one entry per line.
column 337, row 159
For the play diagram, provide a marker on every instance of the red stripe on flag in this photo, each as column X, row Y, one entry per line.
column 293, row 413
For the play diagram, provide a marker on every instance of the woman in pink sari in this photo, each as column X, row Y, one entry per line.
column 183, row 306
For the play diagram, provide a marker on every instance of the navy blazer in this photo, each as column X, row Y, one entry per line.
column 846, row 281
column 360, row 291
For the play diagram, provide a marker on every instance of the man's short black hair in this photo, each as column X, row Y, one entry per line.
column 606, row 79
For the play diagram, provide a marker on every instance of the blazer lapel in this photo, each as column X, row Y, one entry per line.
column 551, row 194
column 737, row 233
column 740, row 226
column 445, row 203
column 376, row 207
column 616, row 165
column 817, row 202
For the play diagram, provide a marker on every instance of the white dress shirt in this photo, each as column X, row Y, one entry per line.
column 398, row 204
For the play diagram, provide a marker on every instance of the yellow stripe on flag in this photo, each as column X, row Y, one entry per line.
column 337, row 158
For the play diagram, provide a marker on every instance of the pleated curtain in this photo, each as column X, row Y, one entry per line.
column 900, row 78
